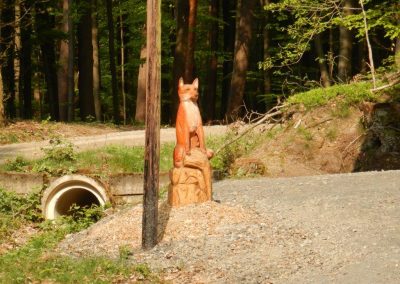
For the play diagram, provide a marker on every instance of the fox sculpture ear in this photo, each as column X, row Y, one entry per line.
column 181, row 83
column 196, row 83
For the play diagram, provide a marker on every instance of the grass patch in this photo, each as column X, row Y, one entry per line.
column 36, row 262
column 307, row 135
column 352, row 93
column 16, row 211
column 60, row 158
column 332, row 134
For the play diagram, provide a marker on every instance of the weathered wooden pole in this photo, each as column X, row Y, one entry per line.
column 152, row 144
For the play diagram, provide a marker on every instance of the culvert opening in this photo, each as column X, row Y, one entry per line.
column 72, row 189
column 79, row 196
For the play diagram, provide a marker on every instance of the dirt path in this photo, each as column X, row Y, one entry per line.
column 128, row 138
column 321, row 229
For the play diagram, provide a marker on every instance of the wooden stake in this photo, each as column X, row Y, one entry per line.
column 152, row 144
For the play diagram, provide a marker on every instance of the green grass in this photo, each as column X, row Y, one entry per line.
column 36, row 261
column 60, row 159
column 351, row 93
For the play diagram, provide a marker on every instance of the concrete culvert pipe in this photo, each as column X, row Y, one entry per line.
column 72, row 189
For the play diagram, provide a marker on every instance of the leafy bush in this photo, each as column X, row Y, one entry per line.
column 17, row 165
column 352, row 93
column 23, row 207
column 59, row 150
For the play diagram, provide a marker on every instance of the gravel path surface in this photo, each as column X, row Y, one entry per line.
column 128, row 138
column 321, row 229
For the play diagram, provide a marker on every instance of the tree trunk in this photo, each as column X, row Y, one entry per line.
column 181, row 15
column 2, row 114
column 45, row 23
column 211, row 93
column 346, row 47
column 17, row 41
column 140, row 115
column 323, row 68
column 189, row 62
column 362, row 46
column 85, row 62
column 113, row 69
column 152, row 140
column 397, row 53
column 241, row 56
column 25, row 79
column 96, row 65
column 122, row 51
column 7, row 51
column 331, row 57
column 62, row 73
column 228, row 10
column 71, row 71
column 266, row 48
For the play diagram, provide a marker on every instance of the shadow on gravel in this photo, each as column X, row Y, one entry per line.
column 164, row 212
column 380, row 149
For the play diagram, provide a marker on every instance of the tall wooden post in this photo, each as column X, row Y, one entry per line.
column 152, row 144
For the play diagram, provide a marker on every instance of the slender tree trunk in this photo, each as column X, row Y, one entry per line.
column 331, row 57
column 85, row 62
column 17, row 41
column 2, row 114
column 25, row 79
column 8, row 52
column 228, row 10
column 241, row 56
column 44, row 23
column 323, row 68
column 397, row 53
column 189, row 62
column 346, row 46
column 96, row 65
column 70, row 71
column 397, row 46
column 121, row 35
column 62, row 74
column 211, row 94
column 362, row 56
column 140, row 114
column 266, row 43
column 181, row 14
column 370, row 55
column 113, row 69
column 152, row 140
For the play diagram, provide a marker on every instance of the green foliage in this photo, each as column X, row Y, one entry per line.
column 351, row 94
column 17, row 165
column 35, row 263
column 242, row 146
column 332, row 134
column 307, row 135
column 17, row 210
column 59, row 150
column 80, row 218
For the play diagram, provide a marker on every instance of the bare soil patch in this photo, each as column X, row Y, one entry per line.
column 30, row 131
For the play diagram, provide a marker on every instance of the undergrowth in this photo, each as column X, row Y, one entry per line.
column 60, row 158
column 351, row 93
column 37, row 261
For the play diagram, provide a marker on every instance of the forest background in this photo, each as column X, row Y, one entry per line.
column 84, row 60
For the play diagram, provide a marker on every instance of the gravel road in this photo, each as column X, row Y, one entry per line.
column 321, row 229
column 128, row 138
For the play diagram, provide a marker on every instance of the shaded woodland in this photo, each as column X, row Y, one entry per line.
column 75, row 60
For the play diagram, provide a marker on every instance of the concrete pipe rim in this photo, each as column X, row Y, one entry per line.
column 69, row 187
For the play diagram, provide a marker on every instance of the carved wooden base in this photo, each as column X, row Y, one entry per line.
column 188, row 186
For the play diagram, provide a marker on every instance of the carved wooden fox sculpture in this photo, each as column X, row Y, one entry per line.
column 190, row 133
column 189, row 126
